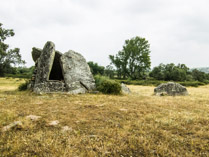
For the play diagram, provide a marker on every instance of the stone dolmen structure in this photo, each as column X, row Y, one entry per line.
column 57, row 72
column 171, row 89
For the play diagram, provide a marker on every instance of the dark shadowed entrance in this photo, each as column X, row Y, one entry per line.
column 56, row 72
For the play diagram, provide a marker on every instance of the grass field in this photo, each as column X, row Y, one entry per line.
column 139, row 124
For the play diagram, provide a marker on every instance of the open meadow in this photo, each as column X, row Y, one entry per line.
column 139, row 124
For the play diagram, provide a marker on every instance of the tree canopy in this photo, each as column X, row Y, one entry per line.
column 180, row 72
column 8, row 57
column 133, row 61
column 95, row 68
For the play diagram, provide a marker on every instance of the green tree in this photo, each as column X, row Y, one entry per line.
column 134, row 59
column 96, row 69
column 8, row 57
column 170, row 72
column 158, row 72
column 199, row 75
column 109, row 71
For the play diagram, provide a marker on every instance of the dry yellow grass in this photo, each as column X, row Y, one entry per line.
column 139, row 124
column 9, row 84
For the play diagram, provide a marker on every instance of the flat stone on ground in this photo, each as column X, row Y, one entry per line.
column 54, row 123
column 33, row 117
column 16, row 124
column 66, row 128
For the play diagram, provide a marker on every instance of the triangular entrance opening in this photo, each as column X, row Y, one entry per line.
column 56, row 72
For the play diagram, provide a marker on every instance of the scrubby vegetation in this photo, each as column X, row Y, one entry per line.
column 178, row 72
column 107, row 86
column 24, row 86
column 138, row 124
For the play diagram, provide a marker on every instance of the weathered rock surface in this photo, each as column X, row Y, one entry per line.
column 125, row 89
column 171, row 89
column 77, row 74
column 57, row 72
column 36, row 53
column 45, row 63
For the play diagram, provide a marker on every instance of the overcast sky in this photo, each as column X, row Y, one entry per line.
column 177, row 30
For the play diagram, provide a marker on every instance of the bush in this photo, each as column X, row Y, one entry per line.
column 107, row 86
column 24, row 86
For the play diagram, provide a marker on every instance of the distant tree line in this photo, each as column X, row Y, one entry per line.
column 180, row 72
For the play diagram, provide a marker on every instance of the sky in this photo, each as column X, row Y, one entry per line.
column 177, row 30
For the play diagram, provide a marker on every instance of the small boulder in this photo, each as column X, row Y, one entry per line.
column 33, row 117
column 54, row 123
column 125, row 89
column 171, row 89
column 66, row 128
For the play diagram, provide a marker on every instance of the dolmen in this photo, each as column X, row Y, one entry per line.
column 57, row 72
column 170, row 89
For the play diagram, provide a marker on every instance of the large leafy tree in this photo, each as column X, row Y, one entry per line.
column 8, row 57
column 134, row 59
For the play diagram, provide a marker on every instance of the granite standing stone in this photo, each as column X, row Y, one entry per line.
column 77, row 74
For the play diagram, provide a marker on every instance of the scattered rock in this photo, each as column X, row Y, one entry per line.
column 16, row 124
column 123, row 109
column 54, row 123
column 171, row 89
column 33, row 117
column 92, row 136
column 125, row 89
column 66, row 128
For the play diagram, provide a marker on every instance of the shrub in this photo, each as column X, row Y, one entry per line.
column 107, row 86
column 99, row 79
column 23, row 86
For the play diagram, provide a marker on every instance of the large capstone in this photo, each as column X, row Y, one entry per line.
column 57, row 72
column 171, row 89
